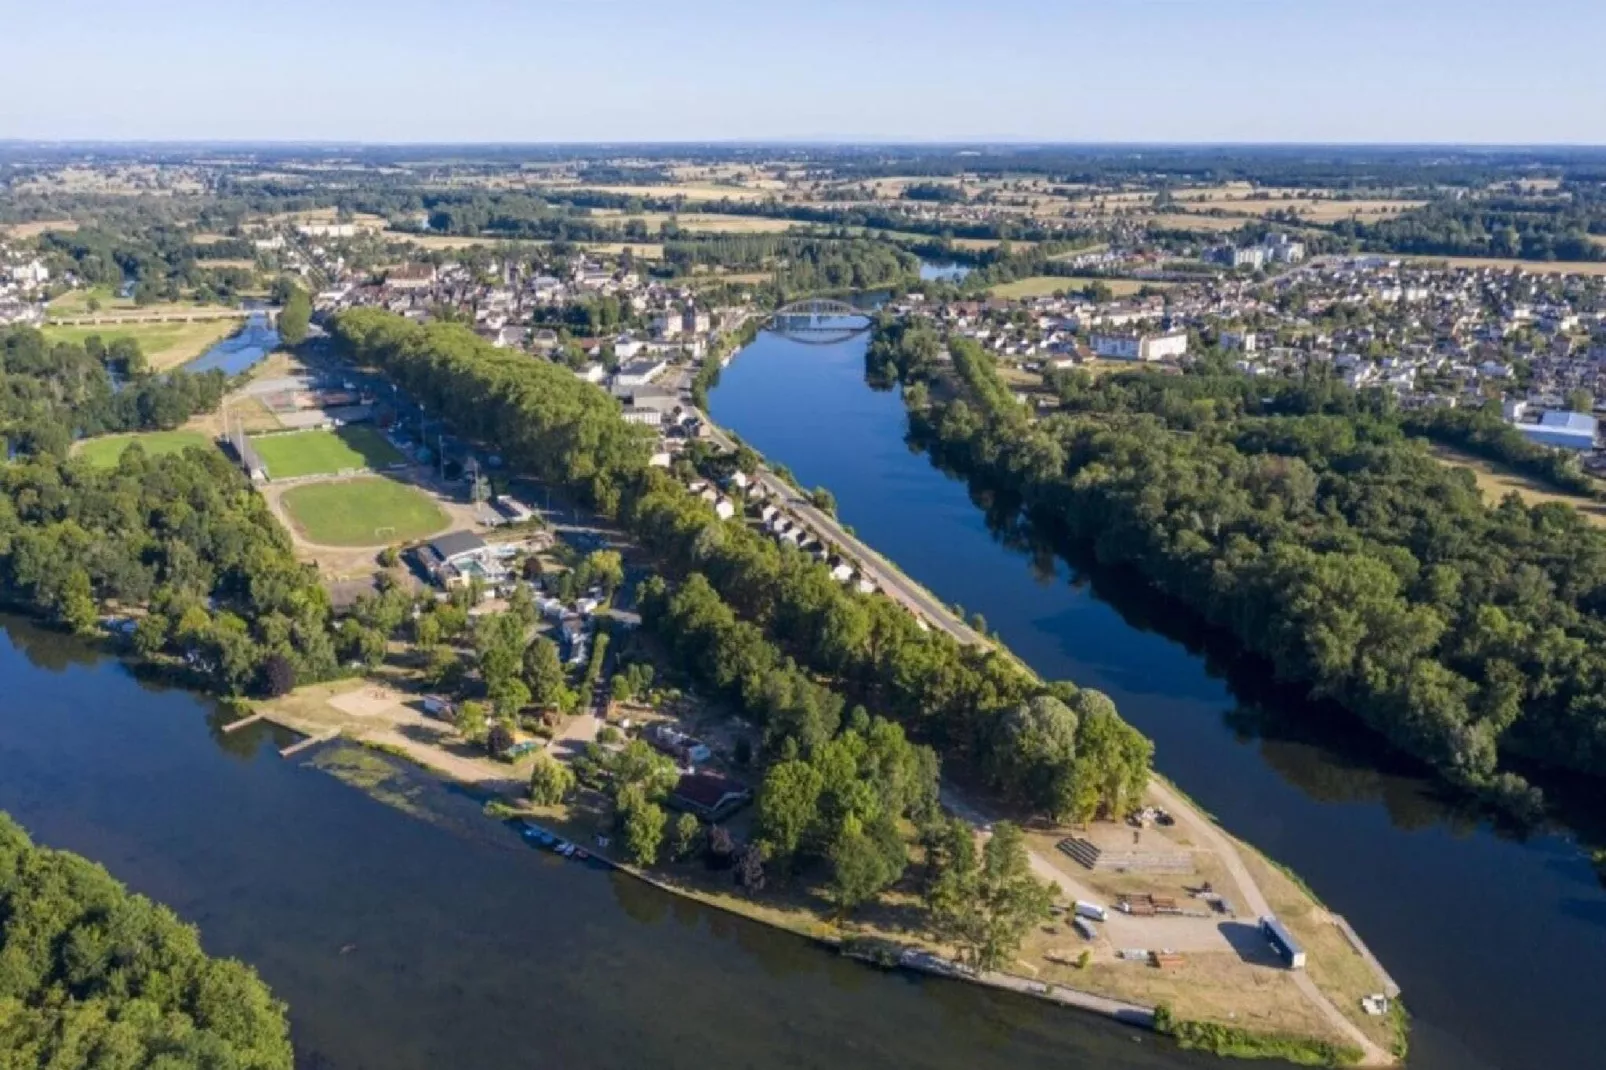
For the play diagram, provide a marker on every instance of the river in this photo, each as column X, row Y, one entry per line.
column 240, row 350
column 424, row 935
column 1497, row 942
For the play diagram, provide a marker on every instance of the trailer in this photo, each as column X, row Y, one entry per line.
column 1283, row 942
column 1085, row 909
column 1085, row 927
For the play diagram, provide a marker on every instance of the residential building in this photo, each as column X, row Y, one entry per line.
column 1145, row 347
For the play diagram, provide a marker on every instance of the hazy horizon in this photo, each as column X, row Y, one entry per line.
column 1139, row 72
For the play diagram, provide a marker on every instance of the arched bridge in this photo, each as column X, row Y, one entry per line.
column 819, row 321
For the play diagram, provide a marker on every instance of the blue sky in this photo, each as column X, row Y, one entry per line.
column 675, row 70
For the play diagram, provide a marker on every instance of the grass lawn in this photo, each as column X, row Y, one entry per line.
column 165, row 345
column 1043, row 285
column 106, row 451
column 316, row 453
column 1536, row 267
column 1495, row 482
column 362, row 512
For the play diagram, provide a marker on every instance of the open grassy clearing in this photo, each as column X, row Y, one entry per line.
column 1043, row 285
column 1496, row 482
column 1336, row 967
column 457, row 241
column 319, row 452
column 107, row 450
column 693, row 191
column 23, row 231
column 1535, row 267
column 369, row 511
column 165, row 345
column 707, row 222
column 640, row 250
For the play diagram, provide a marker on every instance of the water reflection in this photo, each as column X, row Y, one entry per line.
column 415, row 944
column 1493, row 932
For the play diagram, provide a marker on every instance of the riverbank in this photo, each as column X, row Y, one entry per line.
column 1218, row 979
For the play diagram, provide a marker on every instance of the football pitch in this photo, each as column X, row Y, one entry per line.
column 368, row 511
column 319, row 452
column 106, row 451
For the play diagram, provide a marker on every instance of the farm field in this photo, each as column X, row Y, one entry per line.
column 456, row 241
column 165, row 345
column 368, row 511
column 1496, row 482
column 695, row 191
column 1535, row 267
column 1043, row 285
column 708, row 222
column 107, row 450
column 319, row 452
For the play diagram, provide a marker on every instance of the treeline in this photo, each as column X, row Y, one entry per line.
column 53, row 393
column 97, row 977
column 970, row 702
column 1299, row 517
column 957, row 698
column 1529, row 228
column 1486, row 435
column 800, row 265
column 182, row 536
column 839, row 789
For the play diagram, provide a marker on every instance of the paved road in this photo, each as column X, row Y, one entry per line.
column 898, row 586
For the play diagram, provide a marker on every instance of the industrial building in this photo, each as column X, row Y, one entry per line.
column 1562, row 430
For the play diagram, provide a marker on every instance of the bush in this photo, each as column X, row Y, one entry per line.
column 609, row 734
column 1242, row 1043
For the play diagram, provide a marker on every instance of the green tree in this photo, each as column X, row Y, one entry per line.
column 471, row 721
column 294, row 317
column 543, row 674
column 685, row 837
column 788, row 806
column 550, row 781
column 644, row 832
column 863, row 863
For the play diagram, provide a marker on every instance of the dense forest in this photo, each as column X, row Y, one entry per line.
column 1071, row 756
column 803, row 265
column 1300, row 517
column 52, row 393
column 92, row 976
column 1532, row 228
column 182, row 536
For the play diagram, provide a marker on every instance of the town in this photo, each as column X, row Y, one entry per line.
column 477, row 424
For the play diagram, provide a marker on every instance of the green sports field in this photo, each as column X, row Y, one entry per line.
column 106, row 451
column 368, row 511
column 318, row 453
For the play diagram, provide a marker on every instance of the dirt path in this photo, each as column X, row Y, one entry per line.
column 1255, row 899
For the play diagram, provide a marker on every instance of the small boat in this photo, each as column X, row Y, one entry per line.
column 565, row 848
column 581, row 853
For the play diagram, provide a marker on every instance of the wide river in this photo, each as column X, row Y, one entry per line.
column 422, row 935
column 1498, row 943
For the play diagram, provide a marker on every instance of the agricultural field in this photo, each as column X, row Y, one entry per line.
column 1043, row 285
column 692, row 191
column 1495, row 482
column 455, row 241
column 319, row 452
column 1533, row 267
column 165, row 345
column 369, row 511
column 24, row 231
column 107, row 450
column 707, row 222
